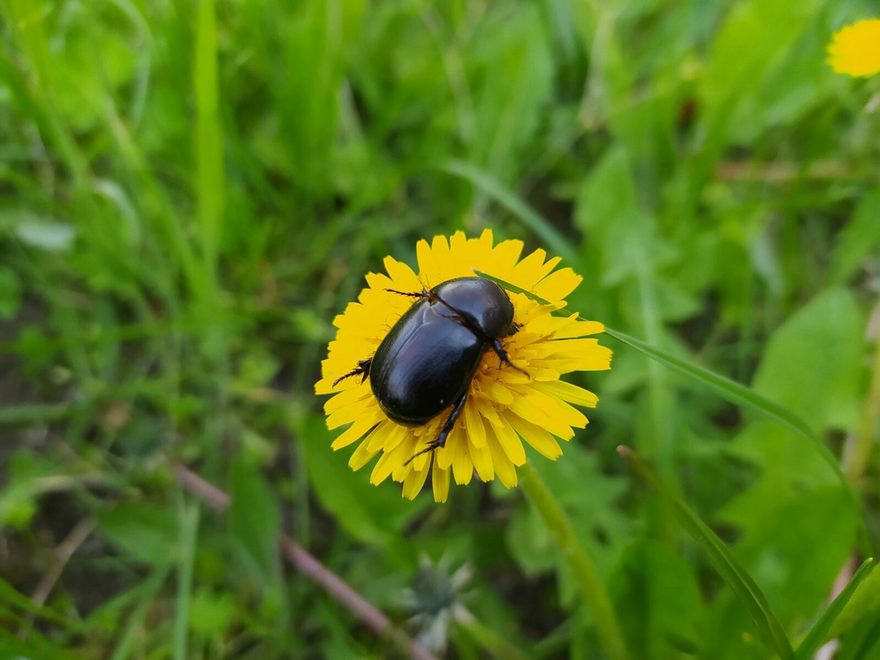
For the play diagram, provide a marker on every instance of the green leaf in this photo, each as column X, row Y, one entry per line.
column 766, row 622
column 146, row 532
column 812, row 364
column 795, row 518
column 211, row 613
column 188, row 527
column 254, row 518
column 658, row 597
column 819, row 633
column 372, row 514
column 857, row 239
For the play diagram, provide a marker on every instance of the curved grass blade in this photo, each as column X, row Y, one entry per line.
column 513, row 287
column 741, row 395
column 727, row 388
column 508, row 199
column 768, row 626
column 819, row 632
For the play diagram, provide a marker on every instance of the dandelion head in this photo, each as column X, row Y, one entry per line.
column 855, row 49
column 506, row 405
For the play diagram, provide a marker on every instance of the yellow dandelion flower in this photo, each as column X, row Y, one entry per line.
column 855, row 49
column 504, row 405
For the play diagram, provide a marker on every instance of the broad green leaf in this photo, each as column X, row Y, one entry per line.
column 656, row 592
column 34, row 645
column 728, row 567
column 211, row 613
column 792, row 538
column 812, row 364
column 146, row 532
column 797, row 372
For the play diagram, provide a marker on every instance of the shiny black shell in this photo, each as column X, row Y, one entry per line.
column 427, row 359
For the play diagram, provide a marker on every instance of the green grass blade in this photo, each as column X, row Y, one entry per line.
column 210, row 173
column 35, row 413
column 819, row 632
column 127, row 640
column 725, row 387
column 506, row 198
column 188, row 521
column 736, row 577
column 728, row 389
column 512, row 287
column 737, row 394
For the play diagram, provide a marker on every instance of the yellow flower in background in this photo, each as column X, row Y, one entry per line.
column 505, row 405
column 855, row 49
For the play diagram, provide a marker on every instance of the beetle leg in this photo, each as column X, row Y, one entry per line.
column 504, row 358
column 445, row 431
column 362, row 368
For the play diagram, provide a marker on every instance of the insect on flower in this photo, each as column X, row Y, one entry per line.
column 446, row 372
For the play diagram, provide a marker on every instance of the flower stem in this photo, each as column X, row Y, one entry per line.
column 586, row 576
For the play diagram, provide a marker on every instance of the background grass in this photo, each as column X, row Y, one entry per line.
column 190, row 190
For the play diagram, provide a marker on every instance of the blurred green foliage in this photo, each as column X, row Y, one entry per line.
column 191, row 189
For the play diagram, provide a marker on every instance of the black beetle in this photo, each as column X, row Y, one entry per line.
column 427, row 360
